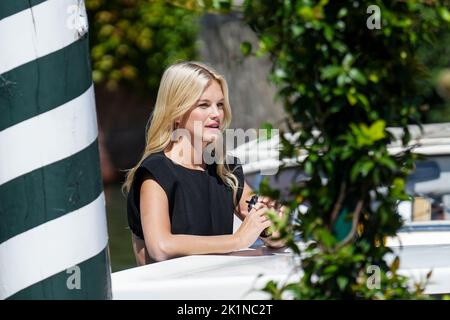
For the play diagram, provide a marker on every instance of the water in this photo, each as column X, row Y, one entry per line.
column 120, row 248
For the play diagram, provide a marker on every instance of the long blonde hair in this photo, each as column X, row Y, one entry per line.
column 182, row 85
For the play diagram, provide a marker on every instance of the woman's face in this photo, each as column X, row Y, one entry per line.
column 203, row 121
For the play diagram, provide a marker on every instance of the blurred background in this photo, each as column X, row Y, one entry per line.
column 132, row 41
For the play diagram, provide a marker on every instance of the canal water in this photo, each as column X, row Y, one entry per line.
column 121, row 253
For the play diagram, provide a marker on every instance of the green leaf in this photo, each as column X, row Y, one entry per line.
column 348, row 61
column 306, row 13
column 398, row 186
column 347, row 153
column 342, row 13
column 326, row 238
column 328, row 33
column 444, row 14
column 354, row 173
column 388, row 162
column 366, row 167
column 362, row 98
column 266, row 43
column 331, row 269
column 376, row 130
column 342, row 282
column 246, row 48
column 308, row 167
column 357, row 75
column 330, row 72
column 266, row 130
column 374, row 77
column 395, row 264
column 341, row 80
column 297, row 30
column 351, row 99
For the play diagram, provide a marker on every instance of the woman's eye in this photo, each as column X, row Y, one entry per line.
column 203, row 105
column 220, row 105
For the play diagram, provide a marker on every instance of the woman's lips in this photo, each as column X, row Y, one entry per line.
column 213, row 126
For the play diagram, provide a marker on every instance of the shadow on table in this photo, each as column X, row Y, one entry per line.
column 259, row 251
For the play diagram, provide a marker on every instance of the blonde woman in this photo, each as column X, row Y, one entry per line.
column 177, row 203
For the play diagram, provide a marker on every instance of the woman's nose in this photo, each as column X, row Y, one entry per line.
column 215, row 110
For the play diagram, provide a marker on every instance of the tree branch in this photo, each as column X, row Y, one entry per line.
column 356, row 215
column 338, row 205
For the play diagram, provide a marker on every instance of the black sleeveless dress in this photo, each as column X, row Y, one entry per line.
column 199, row 202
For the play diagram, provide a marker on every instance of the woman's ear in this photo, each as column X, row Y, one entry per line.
column 179, row 121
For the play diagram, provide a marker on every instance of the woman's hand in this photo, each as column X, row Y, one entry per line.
column 252, row 226
column 281, row 211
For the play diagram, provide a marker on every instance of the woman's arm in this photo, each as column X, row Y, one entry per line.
column 241, row 209
column 162, row 244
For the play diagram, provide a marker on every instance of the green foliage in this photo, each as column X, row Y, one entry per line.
column 266, row 190
column 132, row 41
column 436, row 56
column 343, row 84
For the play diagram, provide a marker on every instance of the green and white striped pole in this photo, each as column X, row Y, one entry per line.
column 53, row 234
